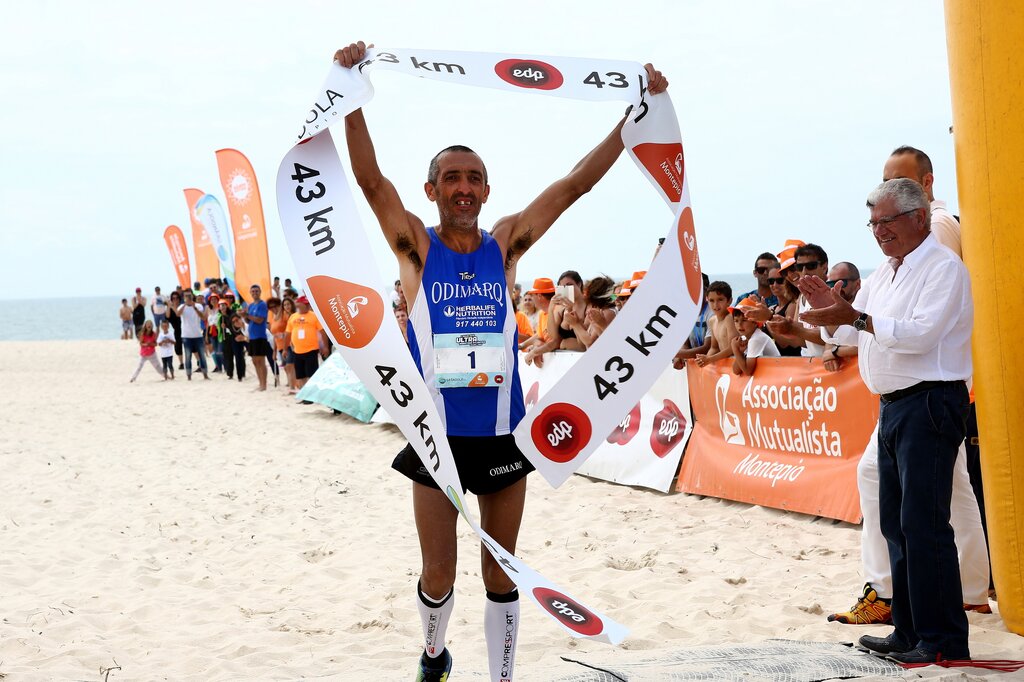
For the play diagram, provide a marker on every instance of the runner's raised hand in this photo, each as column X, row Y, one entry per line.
column 656, row 82
column 352, row 55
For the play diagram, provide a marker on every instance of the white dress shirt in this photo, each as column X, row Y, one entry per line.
column 922, row 317
column 945, row 227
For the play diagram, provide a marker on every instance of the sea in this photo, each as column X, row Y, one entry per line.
column 96, row 317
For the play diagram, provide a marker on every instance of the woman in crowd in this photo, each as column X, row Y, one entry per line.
column 175, row 319
column 559, row 328
column 598, row 311
column 783, row 289
column 276, row 324
column 147, row 350
column 214, row 345
column 787, row 293
column 529, row 308
column 138, row 310
column 571, row 324
column 279, row 326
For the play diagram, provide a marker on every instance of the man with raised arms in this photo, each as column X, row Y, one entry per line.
column 457, row 278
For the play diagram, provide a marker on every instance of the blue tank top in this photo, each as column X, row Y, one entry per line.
column 463, row 307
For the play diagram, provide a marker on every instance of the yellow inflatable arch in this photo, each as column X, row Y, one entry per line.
column 986, row 72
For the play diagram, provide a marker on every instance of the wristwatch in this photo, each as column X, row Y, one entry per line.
column 861, row 323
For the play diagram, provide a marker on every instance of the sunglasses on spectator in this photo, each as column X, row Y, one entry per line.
column 776, row 280
column 809, row 265
column 761, row 271
column 832, row 282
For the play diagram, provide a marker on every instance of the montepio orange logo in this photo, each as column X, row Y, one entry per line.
column 665, row 164
column 688, row 252
column 352, row 312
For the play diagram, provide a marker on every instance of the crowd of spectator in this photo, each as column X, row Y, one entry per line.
column 209, row 325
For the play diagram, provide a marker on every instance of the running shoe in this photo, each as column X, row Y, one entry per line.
column 434, row 669
column 870, row 609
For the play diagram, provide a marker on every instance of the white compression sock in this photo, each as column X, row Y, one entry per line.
column 434, row 615
column 501, row 629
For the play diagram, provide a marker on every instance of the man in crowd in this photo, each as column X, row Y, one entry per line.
column 810, row 261
column 479, row 420
column 126, row 319
column 765, row 262
column 542, row 292
column 158, row 307
column 192, row 313
column 912, row 322
column 908, row 162
column 966, row 511
column 259, row 346
column 849, row 276
column 304, row 334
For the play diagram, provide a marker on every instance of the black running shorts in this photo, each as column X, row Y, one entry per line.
column 306, row 364
column 259, row 348
column 485, row 464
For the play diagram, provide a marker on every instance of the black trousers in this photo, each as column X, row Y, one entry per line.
column 919, row 437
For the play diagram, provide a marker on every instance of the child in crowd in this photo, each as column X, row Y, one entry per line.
column 751, row 343
column 721, row 328
column 165, row 348
column 147, row 349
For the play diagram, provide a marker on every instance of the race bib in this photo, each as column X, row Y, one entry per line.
column 469, row 360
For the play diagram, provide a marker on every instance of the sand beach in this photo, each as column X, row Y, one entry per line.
column 203, row 531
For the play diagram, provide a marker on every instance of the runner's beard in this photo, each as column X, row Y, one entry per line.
column 459, row 220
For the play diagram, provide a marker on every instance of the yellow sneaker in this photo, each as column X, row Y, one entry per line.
column 870, row 609
column 434, row 669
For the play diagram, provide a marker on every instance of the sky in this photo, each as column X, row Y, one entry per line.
column 788, row 110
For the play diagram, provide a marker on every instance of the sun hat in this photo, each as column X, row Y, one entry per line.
column 787, row 257
column 748, row 302
column 542, row 285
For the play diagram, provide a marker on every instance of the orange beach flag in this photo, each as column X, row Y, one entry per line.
column 207, row 263
column 252, row 263
column 179, row 255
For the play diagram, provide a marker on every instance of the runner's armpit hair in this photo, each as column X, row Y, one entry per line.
column 405, row 246
column 518, row 247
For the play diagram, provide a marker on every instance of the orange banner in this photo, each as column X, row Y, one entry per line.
column 207, row 264
column 179, row 255
column 252, row 263
column 789, row 437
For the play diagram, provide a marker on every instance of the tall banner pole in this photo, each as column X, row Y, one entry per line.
column 986, row 67
column 252, row 261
